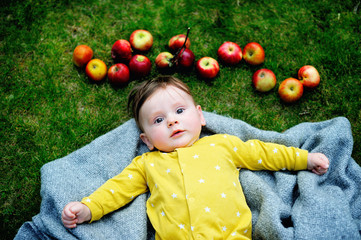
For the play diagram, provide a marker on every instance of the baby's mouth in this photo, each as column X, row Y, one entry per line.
column 177, row 133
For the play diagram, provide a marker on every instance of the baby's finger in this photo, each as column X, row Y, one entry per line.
column 321, row 170
column 315, row 171
column 76, row 208
column 70, row 223
column 325, row 161
column 67, row 215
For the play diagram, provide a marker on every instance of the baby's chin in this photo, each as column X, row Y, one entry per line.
column 168, row 150
column 173, row 148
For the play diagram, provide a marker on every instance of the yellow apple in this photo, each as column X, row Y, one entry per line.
column 290, row 90
column 141, row 40
column 264, row 80
column 96, row 70
column 253, row 53
column 309, row 76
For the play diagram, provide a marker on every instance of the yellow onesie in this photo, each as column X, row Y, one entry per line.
column 195, row 191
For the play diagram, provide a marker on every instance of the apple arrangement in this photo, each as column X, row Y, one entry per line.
column 140, row 65
column 82, row 55
column 230, row 53
column 121, row 51
column 290, row 90
column 141, row 40
column 264, row 80
column 96, row 70
column 309, row 76
column 162, row 61
column 177, row 42
column 186, row 58
column 207, row 67
column 118, row 74
column 253, row 53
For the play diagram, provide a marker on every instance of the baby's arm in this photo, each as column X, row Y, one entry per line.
column 317, row 163
column 75, row 213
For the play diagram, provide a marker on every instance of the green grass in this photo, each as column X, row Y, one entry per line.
column 49, row 108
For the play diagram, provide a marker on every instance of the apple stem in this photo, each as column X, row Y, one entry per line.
column 180, row 51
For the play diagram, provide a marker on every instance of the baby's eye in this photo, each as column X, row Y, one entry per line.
column 180, row 110
column 158, row 120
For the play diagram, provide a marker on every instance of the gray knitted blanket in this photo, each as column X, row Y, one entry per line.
column 285, row 205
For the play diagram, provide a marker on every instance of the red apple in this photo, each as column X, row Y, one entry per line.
column 253, row 53
column 140, row 65
column 121, row 51
column 163, row 60
column 309, row 76
column 141, row 40
column 186, row 58
column 290, row 90
column 207, row 67
column 177, row 42
column 82, row 55
column 264, row 80
column 230, row 53
column 96, row 70
column 118, row 74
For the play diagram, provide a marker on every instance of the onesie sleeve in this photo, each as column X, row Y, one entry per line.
column 118, row 191
column 258, row 155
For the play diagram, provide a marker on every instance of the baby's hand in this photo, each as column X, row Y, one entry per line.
column 75, row 213
column 317, row 163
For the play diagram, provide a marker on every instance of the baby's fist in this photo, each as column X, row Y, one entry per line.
column 318, row 163
column 75, row 213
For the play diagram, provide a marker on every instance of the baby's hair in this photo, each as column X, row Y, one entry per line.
column 140, row 93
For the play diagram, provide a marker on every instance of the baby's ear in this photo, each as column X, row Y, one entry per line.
column 200, row 112
column 146, row 140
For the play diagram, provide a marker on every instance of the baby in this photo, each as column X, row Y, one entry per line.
column 194, row 186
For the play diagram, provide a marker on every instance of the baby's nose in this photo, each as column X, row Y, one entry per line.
column 172, row 121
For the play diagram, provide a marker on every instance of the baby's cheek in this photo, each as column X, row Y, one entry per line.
column 159, row 137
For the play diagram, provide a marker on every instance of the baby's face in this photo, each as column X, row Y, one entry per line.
column 170, row 120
